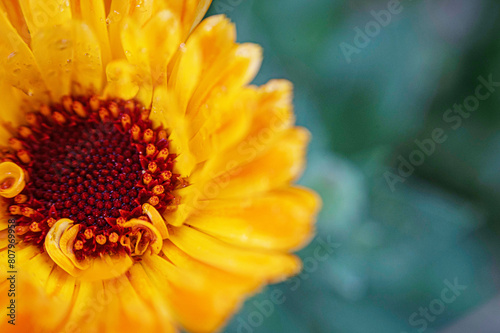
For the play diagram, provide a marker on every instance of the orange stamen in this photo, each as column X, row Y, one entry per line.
column 150, row 149
column 158, row 189
column 78, row 245
column 148, row 135
column 113, row 238
column 35, row 227
column 100, row 239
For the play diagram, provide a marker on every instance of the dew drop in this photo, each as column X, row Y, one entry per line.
column 63, row 44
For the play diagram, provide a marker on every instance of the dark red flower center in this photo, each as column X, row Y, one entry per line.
column 94, row 162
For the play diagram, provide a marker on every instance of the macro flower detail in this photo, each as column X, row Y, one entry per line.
column 150, row 184
column 96, row 164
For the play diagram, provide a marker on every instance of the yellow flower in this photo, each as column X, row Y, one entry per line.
column 145, row 184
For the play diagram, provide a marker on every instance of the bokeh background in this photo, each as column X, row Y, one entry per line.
column 387, row 251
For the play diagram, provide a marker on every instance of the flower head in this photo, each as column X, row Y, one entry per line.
column 150, row 184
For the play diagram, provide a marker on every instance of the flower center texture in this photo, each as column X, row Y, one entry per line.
column 98, row 163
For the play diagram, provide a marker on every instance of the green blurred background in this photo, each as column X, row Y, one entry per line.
column 390, row 248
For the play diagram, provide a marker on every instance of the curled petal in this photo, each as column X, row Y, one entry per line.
column 157, row 219
column 52, row 241
column 59, row 245
column 139, row 247
column 12, row 179
column 148, row 234
column 66, row 245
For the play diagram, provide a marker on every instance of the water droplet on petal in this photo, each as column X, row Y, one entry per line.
column 63, row 44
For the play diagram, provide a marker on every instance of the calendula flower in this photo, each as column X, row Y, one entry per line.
column 148, row 185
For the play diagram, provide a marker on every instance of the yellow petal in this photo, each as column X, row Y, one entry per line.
column 87, row 63
column 93, row 14
column 277, row 220
column 126, row 311
column 41, row 14
column 280, row 164
column 213, row 37
column 269, row 266
column 60, row 289
column 19, row 66
column 186, row 72
column 164, row 269
column 148, row 292
column 141, row 11
column 207, row 308
column 4, row 239
column 53, row 47
column 12, row 179
column 137, row 56
column 23, row 255
column 273, row 112
column 88, row 304
column 219, row 278
column 186, row 293
column 190, row 12
column 156, row 219
column 270, row 107
column 60, row 285
column 227, row 124
column 16, row 17
column 30, row 289
column 52, row 241
column 166, row 111
column 12, row 115
column 150, row 233
column 200, row 300
column 122, row 82
column 161, row 37
column 106, row 267
column 4, row 218
column 230, row 71
column 66, row 245
column 196, row 15
column 25, row 252
column 117, row 13
column 39, row 268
